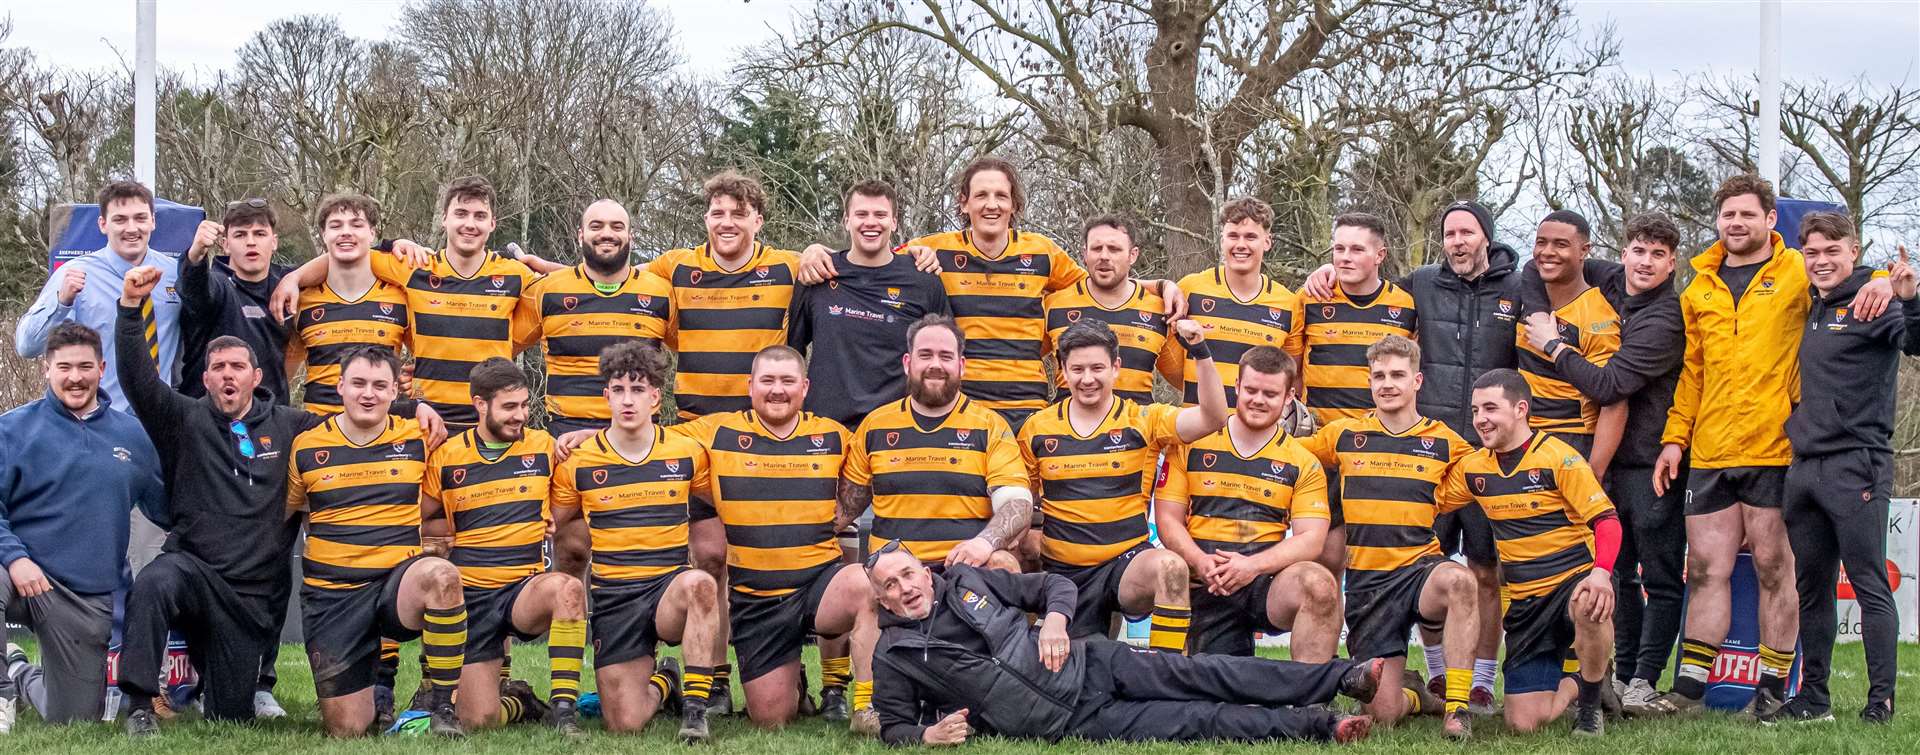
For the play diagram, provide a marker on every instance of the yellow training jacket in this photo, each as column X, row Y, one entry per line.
column 1741, row 376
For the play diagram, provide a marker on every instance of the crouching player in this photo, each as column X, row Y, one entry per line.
column 1557, row 536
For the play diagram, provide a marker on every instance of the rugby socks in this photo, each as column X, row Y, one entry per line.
column 1589, row 691
column 1483, row 672
column 661, row 684
column 566, row 651
column 1696, row 657
column 836, row 672
column 444, row 645
column 1413, row 701
column 1169, row 629
column 1436, row 660
column 697, row 684
column 1774, row 665
column 506, row 661
column 722, row 679
column 1459, row 685
column 389, row 667
column 511, row 711
column 863, row 695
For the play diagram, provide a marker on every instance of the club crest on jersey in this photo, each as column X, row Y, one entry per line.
column 319, row 313
column 818, row 440
column 386, row 308
column 1207, row 460
column 1840, row 314
column 1026, row 260
column 1766, row 282
column 433, row 281
column 459, row 476
column 1146, row 316
column 1426, row 443
column 599, row 477
column 893, row 438
column 1114, row 436
column 1073, row 315
column 1206, row 305
column 960, row 261
column 1393, row 313
column 1479, row 484
column 833, row 284
column 760, row 271
column 1506, row 307
column 962, row 435
column 266, row 443
column 694, row 277
column 1533, row 475
column 321, row 456
column 1359, row 440
column 570, row 302
column 745, row 441
column 673, row 465
column 1051, row 444
column 1275, row 313
column 1278, row 468
column 646, row 300
column 499, row 281
column 893, row 292
column 528, row 460
column 400, row 447
column 1327, row 311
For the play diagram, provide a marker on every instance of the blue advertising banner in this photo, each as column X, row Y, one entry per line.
column 173, row 229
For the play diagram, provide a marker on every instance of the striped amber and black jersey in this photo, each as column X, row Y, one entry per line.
column 1271, row 318
column 578, row 321
column 497, row 508
column 1244, row 503
column 932, row 489
column 1093, row 486
column 1146, row 345
column 458, row 322
column 1590, row 325
column 1542, row 511
column 721, row 319
column 1339, row 330
column 777, row 496
column 330, row 325
column 636, row 509
column 364, row 501
column 999, row 303
column 1387, row 487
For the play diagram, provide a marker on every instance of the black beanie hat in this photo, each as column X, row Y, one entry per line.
column 1480, row 213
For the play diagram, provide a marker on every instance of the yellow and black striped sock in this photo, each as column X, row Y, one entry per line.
column 696, row 684
column 1459, row 686
column 836, row 672
column 661, row 684
column 1413, row 701
column 1169, row 628
column 511, row 711
column 506, row 661
column 566, row 648
column 1774, row 667
column 862, row 694
column 722, row 679
column 1696, row 658
column 389, row 666
column 444, row 646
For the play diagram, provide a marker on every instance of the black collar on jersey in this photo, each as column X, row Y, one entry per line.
column 959, row 406
column 1526, row 449
column 1013, row 237
column 1220, row 277
column 1118, row 410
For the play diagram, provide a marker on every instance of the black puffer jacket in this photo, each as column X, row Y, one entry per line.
column 1466, row 329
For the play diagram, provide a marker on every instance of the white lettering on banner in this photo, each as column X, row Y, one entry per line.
column 1903, row 568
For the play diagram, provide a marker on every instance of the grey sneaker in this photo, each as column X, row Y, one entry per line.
column 264, row 706
column 1589, row 721
column 693, row 722
column 1638, row 694
column 1669, row 704
column 141, row 724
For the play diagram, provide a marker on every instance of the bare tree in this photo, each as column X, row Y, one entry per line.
column 1861, row 143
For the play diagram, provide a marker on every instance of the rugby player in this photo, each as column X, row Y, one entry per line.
column 1557, row 536
column 487, row 488
column 359, row 475
column 1092, row 457
column 1226, row 504
column 350, row 307
column 941, row 472
column 632, row 482
column 1240, row 305
column 1391, row 461
column 776, row 472
column 1584, row 318
column 1745, row 311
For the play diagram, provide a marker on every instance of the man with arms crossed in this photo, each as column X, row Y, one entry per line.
column 633, row 482
column 1745, row 313
column 1225, row 510
column 1558, row 537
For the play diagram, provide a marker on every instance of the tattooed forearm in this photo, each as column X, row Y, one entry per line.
column 854, row 500
column 1010, row 519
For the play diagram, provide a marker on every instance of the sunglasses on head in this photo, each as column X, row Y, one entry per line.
column 256, row 203
column 239, row 430
column 891, row 546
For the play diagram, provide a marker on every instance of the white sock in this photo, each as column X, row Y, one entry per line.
column 1483, row 669
column 1436, row 661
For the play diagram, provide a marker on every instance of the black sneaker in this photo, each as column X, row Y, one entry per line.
column 565, row 720
column 1763, row 705
column 693, row 723
column 1589, row 721
column 670, row 668
column 382, row 708
column 1798, row 711
column 422, row 699
column 1878, row 713
column 720, row 699
column 1363, row 679
column 834, row 705
column 444, row 723
column 142, row 723
column 532, row 707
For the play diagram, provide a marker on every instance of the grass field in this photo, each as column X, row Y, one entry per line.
column 299, row 732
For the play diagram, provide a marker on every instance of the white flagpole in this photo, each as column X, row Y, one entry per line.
column 144, row 62
column 1769, row 158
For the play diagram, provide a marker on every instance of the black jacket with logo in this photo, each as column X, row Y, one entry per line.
column 1466, row 329
column 1848, row 372
column 977, row 650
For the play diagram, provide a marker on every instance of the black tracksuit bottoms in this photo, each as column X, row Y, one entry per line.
column 1836, row 513
column 1136, row 695
column 227, row 633
column 1653, row 554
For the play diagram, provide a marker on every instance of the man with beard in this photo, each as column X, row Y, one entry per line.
column 1110, row 295
column 230, row 294
column 1642, row 373
column 1745, row 312
column 856, row 322
column 585, row 308
column 1558, row 537
column 1246, row 508
column 230, row 540
column 942, row 472
column 633, row 483
column 775, row 473
column 1092, row 457
column 70, row 473
column 960, row 654
column 487, row 488
column 1469, row 304
column 359, row 473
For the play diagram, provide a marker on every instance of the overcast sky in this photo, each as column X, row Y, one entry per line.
column 1836, row 40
